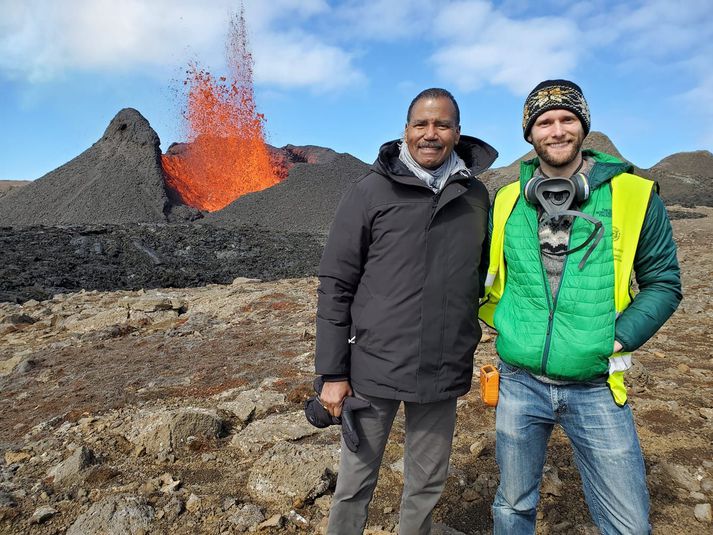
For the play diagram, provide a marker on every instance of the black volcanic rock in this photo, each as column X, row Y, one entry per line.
column 292, row 154
column 698, row 163
column 601, row 143
column 6, row 186
column 685, row 178
column 117, row 180
column 38, row 262
column 304, row 202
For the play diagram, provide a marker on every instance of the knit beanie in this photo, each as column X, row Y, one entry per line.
column 554, row 95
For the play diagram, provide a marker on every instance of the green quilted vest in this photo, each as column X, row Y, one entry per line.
column 571, row 337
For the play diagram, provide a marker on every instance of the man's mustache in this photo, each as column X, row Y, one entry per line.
column 430, row 145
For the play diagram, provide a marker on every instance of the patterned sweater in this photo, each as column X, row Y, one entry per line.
column 554, row 236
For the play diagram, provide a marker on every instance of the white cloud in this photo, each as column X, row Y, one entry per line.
column 41, row 40
column 701, row 96
column 665, row 29
column 297, row 59
column 310, row 43
column 699, row 102
column 481, row 43
column 666, row 39
column 483, row 46
column 287, row 55
column 385, row 20
column 655, row 29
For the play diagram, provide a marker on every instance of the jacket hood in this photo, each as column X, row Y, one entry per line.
column 605, row 168
column 477, row 155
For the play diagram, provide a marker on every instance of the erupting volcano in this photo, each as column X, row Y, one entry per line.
column 226, row 156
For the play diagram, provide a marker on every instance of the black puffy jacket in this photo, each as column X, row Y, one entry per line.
column 399, row 280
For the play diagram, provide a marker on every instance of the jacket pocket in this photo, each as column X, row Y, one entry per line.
column 359, row 311
column 370, row 326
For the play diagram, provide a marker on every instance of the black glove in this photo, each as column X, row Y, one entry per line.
column 318, row 416
column 349, row 432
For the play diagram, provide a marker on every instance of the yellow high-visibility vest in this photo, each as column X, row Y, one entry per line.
column 630, row 200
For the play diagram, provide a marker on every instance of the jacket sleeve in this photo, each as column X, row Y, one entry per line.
column 659, row 279
column 485, row 256
column 488, row 299
column 339, row 273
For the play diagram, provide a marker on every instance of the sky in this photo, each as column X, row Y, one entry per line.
column 341, row 74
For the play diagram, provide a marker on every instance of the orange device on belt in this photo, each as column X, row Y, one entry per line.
column 489, row 384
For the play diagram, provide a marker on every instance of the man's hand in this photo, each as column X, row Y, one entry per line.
column 617, row 346
column 333, row 394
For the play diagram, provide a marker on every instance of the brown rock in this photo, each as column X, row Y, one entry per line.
column 193, row 504
column 72, row 467
column 12, row 457
column 275, row 521
column 42, row 514
column 165, row 431
column 703, row 513
column 115, row 515
column 470, row 495
column 274, row 428
column 290, row 472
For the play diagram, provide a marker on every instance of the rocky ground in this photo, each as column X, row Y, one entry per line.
column 6, row 186
column 179, row 411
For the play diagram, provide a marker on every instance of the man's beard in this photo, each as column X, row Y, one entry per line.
column 559, row 160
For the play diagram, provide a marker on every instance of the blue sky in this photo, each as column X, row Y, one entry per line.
column 342, row 73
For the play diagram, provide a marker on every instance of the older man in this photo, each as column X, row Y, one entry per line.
column 398, row 299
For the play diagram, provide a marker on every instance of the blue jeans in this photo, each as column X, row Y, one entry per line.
column 606, row 450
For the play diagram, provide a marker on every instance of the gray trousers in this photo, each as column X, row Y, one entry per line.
column 429, row 436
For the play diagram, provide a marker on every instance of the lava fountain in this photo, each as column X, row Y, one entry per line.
column 226, row 155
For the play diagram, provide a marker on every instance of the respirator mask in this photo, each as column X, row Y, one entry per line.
column 556, row 195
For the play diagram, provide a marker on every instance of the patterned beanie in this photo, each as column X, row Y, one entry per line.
column 554, row 95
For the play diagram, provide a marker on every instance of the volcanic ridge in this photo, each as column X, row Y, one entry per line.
column 118, row 180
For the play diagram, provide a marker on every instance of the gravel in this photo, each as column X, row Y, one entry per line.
column 305, row 201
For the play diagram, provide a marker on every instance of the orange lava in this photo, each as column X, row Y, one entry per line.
column 226, row 155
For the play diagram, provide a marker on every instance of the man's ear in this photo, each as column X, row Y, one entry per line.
column 529, row 139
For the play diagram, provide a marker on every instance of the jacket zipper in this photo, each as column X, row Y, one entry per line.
column 437, row 196
column 551, row 302
column 434, row 206
column 550, row 306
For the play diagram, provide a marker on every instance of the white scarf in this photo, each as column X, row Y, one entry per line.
column 436, row 178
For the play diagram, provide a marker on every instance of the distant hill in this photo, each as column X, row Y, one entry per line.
column 287, row 156
column 117, row 180
column 685, row 178
column 6, row 186
column 293, row 154
column 304, row 202
column 120, row 180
